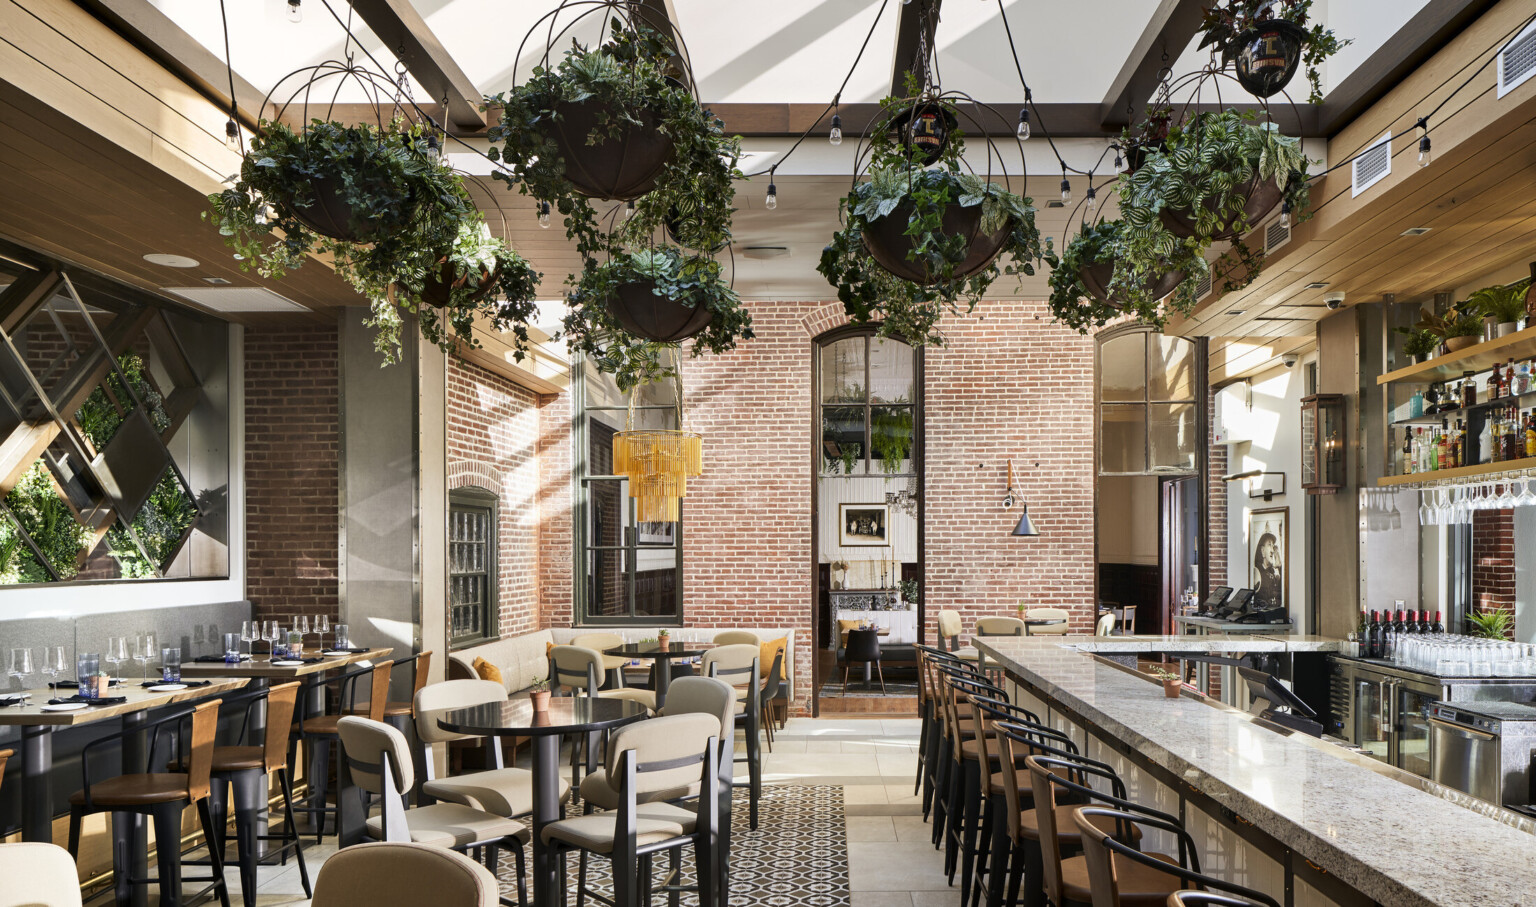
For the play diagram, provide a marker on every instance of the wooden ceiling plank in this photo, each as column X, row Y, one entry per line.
column 402, row 29
column 1173, row 24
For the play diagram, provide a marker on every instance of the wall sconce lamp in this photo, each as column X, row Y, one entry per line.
column 1025, row 526
column 1266, row 489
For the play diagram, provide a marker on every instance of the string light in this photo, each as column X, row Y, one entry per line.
column 434, row 149
column 1424, row 153
column 544, row 215
column 1285, row 214
column 772, row 201
column 1092, row 196
column 629, row 209
column 1066, row 186
column 295, row 11
column 836, row 135
column 232, row 135
column 1023, row 131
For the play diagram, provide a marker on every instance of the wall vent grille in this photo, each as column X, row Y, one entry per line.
column 1276, row 234
column 1203, row 286
column 1517, row 61
column 1372, row 166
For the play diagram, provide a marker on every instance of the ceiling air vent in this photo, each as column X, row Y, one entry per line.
column 1372, row 166
column 1276, row 234
column 1517, row 61
column 237, row 299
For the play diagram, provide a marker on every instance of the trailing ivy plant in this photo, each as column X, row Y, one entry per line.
column 1103, row 243
column 691, row 280
column 1203, row 172
column 47, row 519
column 1227, row 21
column 409, row 213
column 908, row 310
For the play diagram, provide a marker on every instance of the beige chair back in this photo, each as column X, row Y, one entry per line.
column 574, row 666
column 1106, row 625
column 452, row 694
column 949, row 624
column 599, row 642
column 703, row 696
column 387, row 874
column 36, row 873
column 730, row 660
column 365, row 743
column 658, row 741
column 1061, row 614
column 737, row 638
column 999, row 626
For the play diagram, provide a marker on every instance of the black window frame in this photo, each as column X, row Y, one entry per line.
column 472, row 498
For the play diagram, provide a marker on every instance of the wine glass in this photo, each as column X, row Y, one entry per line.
column 301, row 624
column 322, row 627
column 116, row 654
column 20, row 666
column 53, row 666
column 144, row 652
column 250, row 631
column 271, row 634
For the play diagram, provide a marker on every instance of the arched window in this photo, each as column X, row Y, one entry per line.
column 1149, row 412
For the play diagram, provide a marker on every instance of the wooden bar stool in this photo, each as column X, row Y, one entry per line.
column 320, row 732
column 1206, row 899
column 162, row 796
column 1119, row 875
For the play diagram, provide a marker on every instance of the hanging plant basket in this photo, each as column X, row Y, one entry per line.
column 645, row 311
column 1260, row 196
column 889, row 244
column 624, row 165
column 1087, row 293
column 1096, row 279
column 440, row 285
column 1268, row 55
column 330, row 214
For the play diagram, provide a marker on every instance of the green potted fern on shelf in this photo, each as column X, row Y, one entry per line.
column 1420, row 344
column 1502, row 305
column 1460, row 327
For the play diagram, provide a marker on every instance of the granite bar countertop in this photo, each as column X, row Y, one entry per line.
column 1179, row 643
column 1395, row 842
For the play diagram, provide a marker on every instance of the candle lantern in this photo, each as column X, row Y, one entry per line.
column 1323, row 437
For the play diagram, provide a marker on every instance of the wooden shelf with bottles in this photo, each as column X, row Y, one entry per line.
column 1486, row 470
column 1476, row 358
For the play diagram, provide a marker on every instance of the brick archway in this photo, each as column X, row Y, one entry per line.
column 824, row 318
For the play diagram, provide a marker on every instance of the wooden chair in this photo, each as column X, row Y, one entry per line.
column 1206, row 899
column 1122, row 876
column 1128, row 620
column 162, row 796
column 318, row 732
column 5, row 756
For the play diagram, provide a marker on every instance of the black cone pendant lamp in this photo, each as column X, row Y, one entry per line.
column 1026, row 526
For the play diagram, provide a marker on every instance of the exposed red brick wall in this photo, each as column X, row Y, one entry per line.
column 291, row 477
column 493, row 437
column 555, row 528
column 1493, row 560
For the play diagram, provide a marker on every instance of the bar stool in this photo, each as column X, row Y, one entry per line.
column 943, row 759
column 932, row 718
column 1206, row 899
column 398, row 714
column 967, row 763
column 1115, row 868
column 320, row 731
column 160, row 795
column 4, row 756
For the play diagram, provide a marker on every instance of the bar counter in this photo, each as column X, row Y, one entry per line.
column 1397, row 839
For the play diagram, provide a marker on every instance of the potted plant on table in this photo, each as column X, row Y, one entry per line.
column 1503, row 305
column 1172, row 683
column 538, row 695
column 1267, row 40
column 663, row 638
column 1494, row 624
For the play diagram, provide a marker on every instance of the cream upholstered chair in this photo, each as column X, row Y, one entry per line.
column 999, row 626
column 686, row 696
column 649, row 757
column 399, row 874
column 1106, row 625
column 37, row 873
column 740, row 667
column 949, row 636
column 380, row 760
column 737, row 638
column 1061, row 614
column 600, row 643
column 507, row 792
column 580, row 669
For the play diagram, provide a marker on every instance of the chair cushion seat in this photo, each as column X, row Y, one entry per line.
column 595, row 832
column 321, row 724
column 1021, row 781
column 391, row 710
column 1140, row 885
column 1066, row 826
column 971, row 749
column 451, row 825
column 135, row 790
column 238, row 758
column 596, row 790
column 646, row 698
column 505, row 792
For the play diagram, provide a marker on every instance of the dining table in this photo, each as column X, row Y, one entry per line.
column 312, row 670
column 38, row 725
column 564, row 716
column 663, row 656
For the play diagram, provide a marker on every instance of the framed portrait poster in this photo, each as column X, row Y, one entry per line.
column 864, row 525
column 1269, row 540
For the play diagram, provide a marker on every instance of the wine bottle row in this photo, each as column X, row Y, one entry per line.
column 1379, row 637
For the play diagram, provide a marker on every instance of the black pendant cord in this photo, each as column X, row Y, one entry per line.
column 229, row 68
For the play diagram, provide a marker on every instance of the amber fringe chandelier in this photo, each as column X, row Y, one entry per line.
column 658, row 462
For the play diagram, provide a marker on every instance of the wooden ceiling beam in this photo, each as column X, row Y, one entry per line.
column 1172, row 25
column 914, row 38
column 402, row 29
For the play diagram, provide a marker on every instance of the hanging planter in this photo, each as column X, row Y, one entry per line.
column 623, row 164
column 1268, row 41
column 892, row 248
column 622, row 310
column 923, row 131
column 1088, row 288
column 1253, row 199
column 1269, row 55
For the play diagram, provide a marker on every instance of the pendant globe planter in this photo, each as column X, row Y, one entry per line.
column 888, row 243
column 437, row 292
column 1096, row 279
column 1268, row 55
column 644, row 313
column 1262, row 195
column 330, row 215
column 623, row 166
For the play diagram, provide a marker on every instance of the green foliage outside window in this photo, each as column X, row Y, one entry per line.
column 160, row 524
column 99, row 418
column 48, row 520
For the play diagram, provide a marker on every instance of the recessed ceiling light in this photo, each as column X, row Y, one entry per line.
column 1236, row 311
column 1316, row 285
column 1416, row 231
column 759, row 253
column 217, row 281
column 167, row 260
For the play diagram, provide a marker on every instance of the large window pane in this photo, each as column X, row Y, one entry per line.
column 1123, row 368
column 842, row 371
column 1123, row 438
column 1172, row 368
column 1171, row 435
column 891, row 439
column 890, row 371
column 842, row 440
column 471, row 570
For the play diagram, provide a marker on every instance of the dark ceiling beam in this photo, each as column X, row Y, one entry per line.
column 1419, row 39
column 914, row 33
column 404, row 33
column 1169, row 31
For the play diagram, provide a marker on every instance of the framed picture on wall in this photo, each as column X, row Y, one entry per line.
column 864, row 525
column 1269, row 539
column 655, row 533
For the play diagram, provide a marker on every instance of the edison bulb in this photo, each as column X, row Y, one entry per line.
column 1424, row 152
column 1023, row 130
column 232, row 136
column 772, row 201
column 295, row 11
column 1066, row 191
column 836, row 135
column 544, row 215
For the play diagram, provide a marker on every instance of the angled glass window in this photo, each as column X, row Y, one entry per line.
column 1148, row 414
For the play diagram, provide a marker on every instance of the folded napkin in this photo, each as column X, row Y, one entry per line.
column 74, row 684
column 355, row 650
column 190, row 683
column 209, row 659
column 103, row 700
column 13, row 699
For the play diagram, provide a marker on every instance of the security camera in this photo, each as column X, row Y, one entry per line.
column 1334, row 300
column 1289, row 359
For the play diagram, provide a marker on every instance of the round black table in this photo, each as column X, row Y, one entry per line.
column 663, row 658
column 516, row 718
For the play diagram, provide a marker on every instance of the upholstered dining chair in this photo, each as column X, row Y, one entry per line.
column 737, row 638
column 506, row 792
column 580, row 670
column 740, row 667
column 863, row 649
column 36, row 873
column 402, row 874
column 999, row 626
column 1061, row 614
column 1105, row 625
column 613, row 665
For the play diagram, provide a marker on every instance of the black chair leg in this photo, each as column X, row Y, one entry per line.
column 167, row 822
column 292, row 829
column 970, row 819
column 581, row 879
column 522, row 876
column 998, row 868
column 754, row 771
column 216, row 855
column 250, row 791
column 319, row 771
column 122, row 856
column 76, row 816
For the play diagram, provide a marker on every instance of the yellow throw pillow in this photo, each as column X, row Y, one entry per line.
column 843, row 626
column 767, row 651
column 487, row 671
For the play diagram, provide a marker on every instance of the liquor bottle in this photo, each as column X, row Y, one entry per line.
column 1439, row 627
column 1407, row 466
column 1530, row 435
column 1496, row 382
column 1468, row 390
column 1495, row 437
column 1514, row 442
column 1459, row 445
column 1373, row 635
column 1441, row 454
column 1388, row 637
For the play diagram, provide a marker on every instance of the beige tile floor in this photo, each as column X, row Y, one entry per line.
column 890, row 860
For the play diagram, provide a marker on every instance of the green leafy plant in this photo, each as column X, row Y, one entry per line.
column 103, row 412
column 47, row 520
column 539, row 685
column 891, row 436
column 409, row 214
column 1420, row 343
column 1075, row 306
column 17, row 563
column 1164, row 676
column 160, row 524
column 1494, row 624
column 1226, row 22
column 911, row 590
column 897, row 186
column 1460, row 320
column 1504, row 303
column 691, row 280
column 1205, row 172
